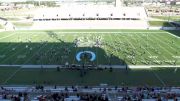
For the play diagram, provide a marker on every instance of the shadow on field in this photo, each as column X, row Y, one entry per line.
column 174, row 32
column 57, row 51
column 166, row 24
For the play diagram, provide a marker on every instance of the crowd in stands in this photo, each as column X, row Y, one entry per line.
column 77, row 97
column 99, row 93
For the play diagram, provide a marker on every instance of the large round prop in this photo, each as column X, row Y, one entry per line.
column 85, row 54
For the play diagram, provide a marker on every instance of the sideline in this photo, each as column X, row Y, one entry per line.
column 100, row 66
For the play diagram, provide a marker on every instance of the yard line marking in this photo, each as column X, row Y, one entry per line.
column 157, row 76
column 96, row 56
column 127, row 41
column 76, row 50
column 165, row 57
column 66, row 39
column 134, row 46
column 25, row 49
column 11, row 76
column 167, row 40
column 113, row 44
column 14, row 54
column 7, row 36
column 173, row 35
column 161, row 46
column 43, row 46
column 143, row 46
column 19, row 45
column 4, row 49
column 10, row 45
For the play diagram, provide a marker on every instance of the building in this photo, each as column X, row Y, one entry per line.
column 91, row 17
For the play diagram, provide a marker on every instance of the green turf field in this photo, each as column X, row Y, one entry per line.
column 160, row 23
column 22, row 24
column 171, row 18
column 132, row 77
column 1, row 27
column 117, row 47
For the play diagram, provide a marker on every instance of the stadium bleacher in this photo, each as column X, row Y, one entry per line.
column 98, row 93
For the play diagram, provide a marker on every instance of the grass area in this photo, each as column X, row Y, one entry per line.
column 175, row 32
column 132, row 77
column 13, row 19
column 16, row 13
column 171, row 18
column 5, row 73
column 131, row 47
column 168, row 75
column 111, row 47
column 21, row 24
column 1, row 27
column 96, row 30
column 160, row 23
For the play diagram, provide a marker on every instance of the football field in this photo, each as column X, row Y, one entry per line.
column 111, row 47
column 66, row 77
